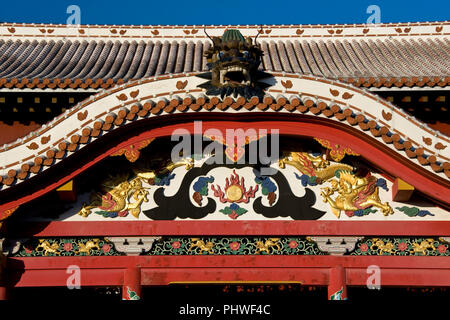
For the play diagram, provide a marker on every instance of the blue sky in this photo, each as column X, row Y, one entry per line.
column 177, row 12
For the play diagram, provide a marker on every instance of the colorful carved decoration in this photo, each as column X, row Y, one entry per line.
column 233, row 211
column 269, row 243
column 414, row 211
column 235, row 190
column 423, row 247
column 268, row 188
column 402, row 247
column 6, row 213
column 131, row 151
column 236, row 151
column 314, row 169
column 381, row 247
column 48, row 248
column 201, row 189
column 201, row 245
column 354, row 194
column 398, row 246
column 118, row 199
column 233, row 61
column 85, row 248
column 121, row 196
column 337, row 152
column 66, row 247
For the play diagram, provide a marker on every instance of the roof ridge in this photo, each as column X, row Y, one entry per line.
column 388, row 24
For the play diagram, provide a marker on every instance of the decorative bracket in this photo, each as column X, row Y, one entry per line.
column 401, row 190
column 336, row 246
column 133, row 246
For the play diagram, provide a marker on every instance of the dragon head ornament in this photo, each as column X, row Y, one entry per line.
column 233, row 62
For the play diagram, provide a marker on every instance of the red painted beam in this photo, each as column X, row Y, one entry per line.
column 224, row 228
column 163, row 270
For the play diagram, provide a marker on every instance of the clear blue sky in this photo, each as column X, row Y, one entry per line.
column 176, row 12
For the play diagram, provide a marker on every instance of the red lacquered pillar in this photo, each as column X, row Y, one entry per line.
column 337, row 288
column 131, row 289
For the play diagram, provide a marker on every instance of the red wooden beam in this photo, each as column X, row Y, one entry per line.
column 224, row 228
column 164, row 270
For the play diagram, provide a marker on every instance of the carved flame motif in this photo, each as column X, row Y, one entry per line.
column 235, row 190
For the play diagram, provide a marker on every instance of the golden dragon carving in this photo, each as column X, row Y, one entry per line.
column 126, row 196
column 118, row 198
column 354, row 193
column 312, row 165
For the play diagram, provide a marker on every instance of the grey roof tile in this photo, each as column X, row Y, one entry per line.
column 332, row 58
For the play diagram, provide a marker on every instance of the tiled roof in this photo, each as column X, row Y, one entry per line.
column 368, row 61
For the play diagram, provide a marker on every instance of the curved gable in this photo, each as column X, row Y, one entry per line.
column 301, row 105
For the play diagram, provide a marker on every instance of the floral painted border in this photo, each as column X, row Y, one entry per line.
column 402, row 247
column 67, row 247
column 238, row 245
column 235, row 246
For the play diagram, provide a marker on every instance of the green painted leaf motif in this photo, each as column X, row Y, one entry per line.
column 265, row 191
column 240, row 211
column 409, row 211
column 204, row 191
column 367, row 211
column 226, row 210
